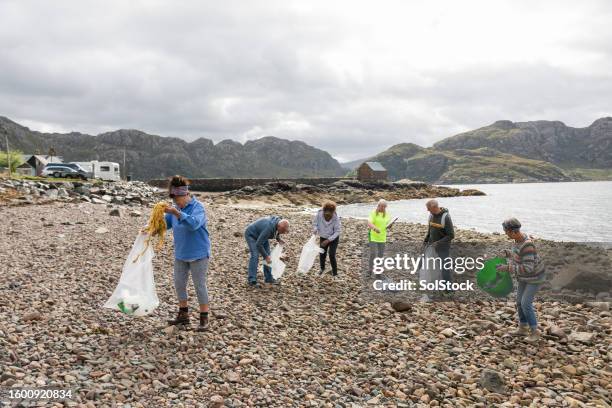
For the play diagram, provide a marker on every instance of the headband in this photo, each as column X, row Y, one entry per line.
column 179, row 191
column 511, row 224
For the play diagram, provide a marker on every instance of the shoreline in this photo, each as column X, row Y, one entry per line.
column 342, row 192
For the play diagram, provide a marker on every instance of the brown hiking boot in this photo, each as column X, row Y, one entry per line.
column 534, row 336
column 522, row 330
column 181, row 319
column 203, row 322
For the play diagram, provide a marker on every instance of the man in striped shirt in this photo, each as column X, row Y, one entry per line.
column 524, row 262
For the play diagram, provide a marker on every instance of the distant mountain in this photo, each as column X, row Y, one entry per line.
column 502, row 152
column 551, row 141
column 149, row 156
column 508, row 152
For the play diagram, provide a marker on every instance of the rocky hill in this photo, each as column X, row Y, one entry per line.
column 502, row 152
column 508, row 152
column 150, row 156
column 551, row 141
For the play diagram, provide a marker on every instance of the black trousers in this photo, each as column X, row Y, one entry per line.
column 331, row 250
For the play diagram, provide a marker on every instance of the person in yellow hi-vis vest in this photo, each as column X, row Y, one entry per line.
column 378, row 224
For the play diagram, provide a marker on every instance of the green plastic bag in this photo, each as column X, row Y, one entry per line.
column 495, row 283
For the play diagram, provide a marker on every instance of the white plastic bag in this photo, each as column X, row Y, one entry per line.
column 431, row 270
column 135, row 293
column 309, row 253
column 278, row 266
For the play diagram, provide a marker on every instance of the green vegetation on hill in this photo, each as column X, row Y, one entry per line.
column 590, row 174
column 15, row 158
column 483, row 165
column 473, row 167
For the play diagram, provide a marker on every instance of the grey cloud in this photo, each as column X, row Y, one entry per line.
column 240, row 70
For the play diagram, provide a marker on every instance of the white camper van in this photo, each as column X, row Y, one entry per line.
column 102, row 169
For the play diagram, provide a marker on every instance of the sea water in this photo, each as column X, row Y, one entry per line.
column 577, row 211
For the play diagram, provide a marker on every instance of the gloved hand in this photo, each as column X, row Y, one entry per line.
column 506, row 253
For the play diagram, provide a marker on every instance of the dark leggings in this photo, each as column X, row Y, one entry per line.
column 331, row 249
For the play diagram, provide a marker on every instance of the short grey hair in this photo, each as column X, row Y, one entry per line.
column 511, row 224
column 432, row 203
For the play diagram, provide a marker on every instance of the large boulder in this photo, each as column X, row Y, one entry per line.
column 492, row 381
column 577, row 267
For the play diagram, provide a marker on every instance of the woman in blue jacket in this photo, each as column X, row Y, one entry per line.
column 187, row 219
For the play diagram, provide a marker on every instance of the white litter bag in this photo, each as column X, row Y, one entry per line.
column 135, row 294
column 309, row 253
column 278, row 266
column 431, row 269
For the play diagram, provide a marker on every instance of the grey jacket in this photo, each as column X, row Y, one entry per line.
column 326, row 229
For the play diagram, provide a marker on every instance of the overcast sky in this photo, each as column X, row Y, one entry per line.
column 350, row 77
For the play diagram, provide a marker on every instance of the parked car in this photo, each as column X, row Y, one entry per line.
column 74, row 166
column 59, row 171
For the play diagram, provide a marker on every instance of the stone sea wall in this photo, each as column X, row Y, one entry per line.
column 230, row 184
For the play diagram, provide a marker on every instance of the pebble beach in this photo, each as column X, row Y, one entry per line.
column 312, row 341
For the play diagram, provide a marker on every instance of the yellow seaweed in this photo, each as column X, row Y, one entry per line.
column 156, row 227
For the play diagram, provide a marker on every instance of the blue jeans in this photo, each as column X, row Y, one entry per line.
column 525, row 293
column 254, row 260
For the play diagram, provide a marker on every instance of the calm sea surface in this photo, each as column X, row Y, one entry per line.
column 556, row 211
